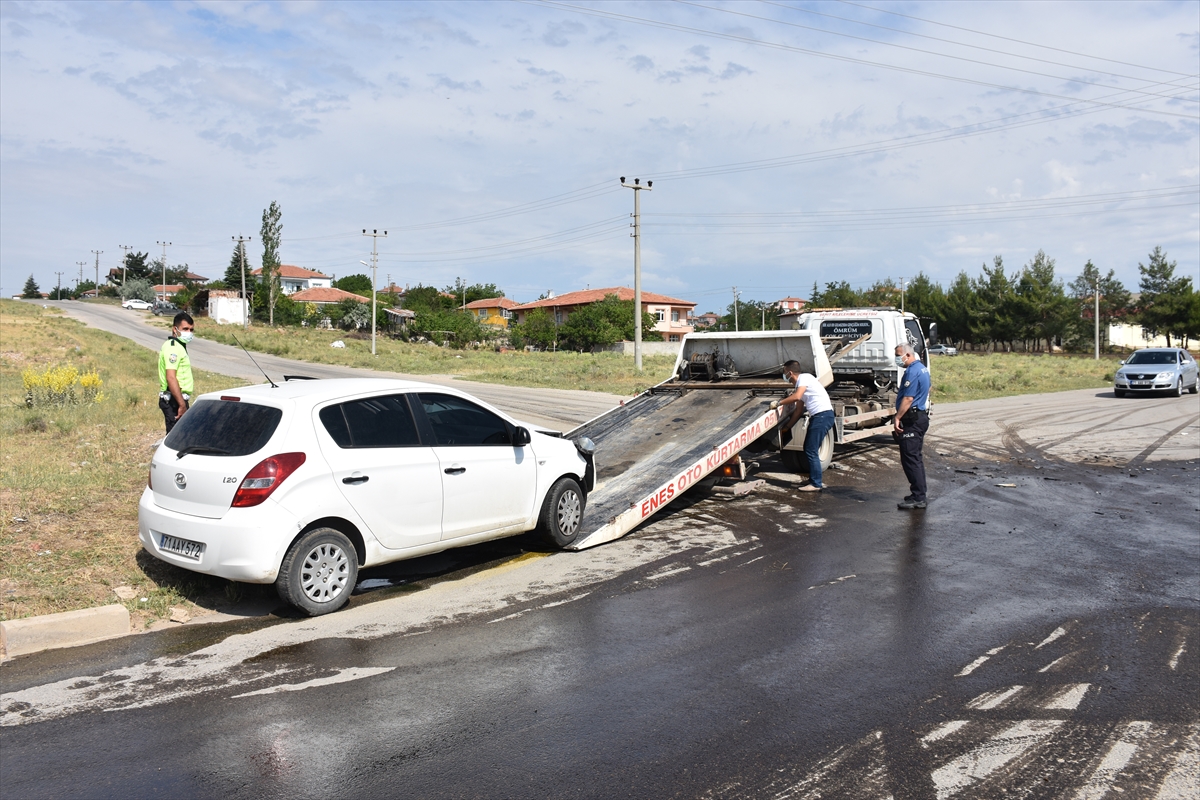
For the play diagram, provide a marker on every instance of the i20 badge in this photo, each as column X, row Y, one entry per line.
column 180, row 480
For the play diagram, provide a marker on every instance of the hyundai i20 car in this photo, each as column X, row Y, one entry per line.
column 1157, row 369
column 301, row 484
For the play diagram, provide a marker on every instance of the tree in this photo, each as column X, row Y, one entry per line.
column 752, row 315
column 1114, row 302
column 427, row 298
column 603, row 323
column 959, row 316
column 1164, row 305
column 233, row 272
column 1039, row 305
column 31, row 288
column 836, row 295
column 135, row 266
column 881, row 293
column 464, row 294
column 924, row 298
column 271, row 234
column 994, row 292
column 355, row 284
column 138, row 288
column 538, row 330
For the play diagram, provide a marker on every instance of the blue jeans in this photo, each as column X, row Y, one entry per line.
column 818, row 427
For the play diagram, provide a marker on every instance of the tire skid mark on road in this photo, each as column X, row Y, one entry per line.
column 1118, row 755
column 995, row 698
column 979, row 662
column 1141, row 457
column 1183, row 776
column 993, row 754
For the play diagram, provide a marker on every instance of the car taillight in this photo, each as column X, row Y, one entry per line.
column 265, row 478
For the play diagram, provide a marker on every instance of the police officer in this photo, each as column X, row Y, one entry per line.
column 175, row 384
column 912, row 421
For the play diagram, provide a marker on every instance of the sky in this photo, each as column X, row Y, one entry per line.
column 789, row 143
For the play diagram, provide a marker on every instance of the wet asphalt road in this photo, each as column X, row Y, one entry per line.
column 1039, row 640
column 1034, row 633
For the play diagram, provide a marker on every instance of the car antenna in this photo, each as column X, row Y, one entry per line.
column 260, row 369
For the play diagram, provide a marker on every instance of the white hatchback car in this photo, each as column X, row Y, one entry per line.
column 136, row 304
column 302, row 483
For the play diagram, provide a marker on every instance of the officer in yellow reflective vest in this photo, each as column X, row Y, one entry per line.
column 175, row 383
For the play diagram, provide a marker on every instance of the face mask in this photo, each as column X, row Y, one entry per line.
column 786, row 377
column 899, row 361
column 185, row 336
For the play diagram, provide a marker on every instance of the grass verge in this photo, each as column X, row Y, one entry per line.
column 597, row 372
column 978, row 376
column 70, row 477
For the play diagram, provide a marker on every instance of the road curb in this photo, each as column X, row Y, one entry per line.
column 20, row 637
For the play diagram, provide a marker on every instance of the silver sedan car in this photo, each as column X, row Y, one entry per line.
column 1157, row 369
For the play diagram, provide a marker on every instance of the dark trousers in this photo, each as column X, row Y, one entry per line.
column 170, row 408
column 911, row 442
column 818, row 427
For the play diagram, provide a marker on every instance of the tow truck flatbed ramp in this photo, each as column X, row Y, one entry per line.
column 670, row 437
column 658, row 445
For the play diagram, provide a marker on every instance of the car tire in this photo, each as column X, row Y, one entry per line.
column 1195, row 386
column 319, row 572
column 561, row 519
column 1119, row 392
column 1179, row 387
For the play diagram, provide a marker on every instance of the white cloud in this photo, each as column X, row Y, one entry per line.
column 149, row 120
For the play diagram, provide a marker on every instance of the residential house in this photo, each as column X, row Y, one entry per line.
column 294, row 279
column 672, row 314
column 790, row 305
column 493, row 310
column 705, row 320
column 325, row 295
column 164, row 292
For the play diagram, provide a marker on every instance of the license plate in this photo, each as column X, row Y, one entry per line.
column 181, row 547
column 1141, row 383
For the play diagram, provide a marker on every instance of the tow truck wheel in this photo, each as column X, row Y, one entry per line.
column 798, row 462
column 562, row 513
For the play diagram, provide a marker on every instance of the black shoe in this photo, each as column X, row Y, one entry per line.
column 910, row 503
column 908, row 497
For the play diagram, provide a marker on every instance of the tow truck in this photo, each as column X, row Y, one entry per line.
column 723, row 398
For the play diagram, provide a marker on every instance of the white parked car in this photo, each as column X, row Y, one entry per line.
column 303, row 483
column 135, row 303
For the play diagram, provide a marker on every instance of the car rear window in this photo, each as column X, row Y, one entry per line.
column 225, row 428
column 373, row 422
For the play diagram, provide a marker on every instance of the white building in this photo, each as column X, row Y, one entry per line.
column 226, row 308
column 294, row 279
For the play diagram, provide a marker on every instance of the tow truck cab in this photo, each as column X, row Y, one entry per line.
column 868, row 371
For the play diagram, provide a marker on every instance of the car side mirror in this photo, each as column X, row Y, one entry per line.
column 521, row 437
column 1122, row 361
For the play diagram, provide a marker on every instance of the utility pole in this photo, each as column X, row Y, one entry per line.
column 124, row 265
column 637, row 267
column 901, row 294
column 81, row 265
column 59, row 274
column 97, row 252
column 374, row 234
column 1097, row 315
column 735, row 310
column 241, row 241
column 165, row 245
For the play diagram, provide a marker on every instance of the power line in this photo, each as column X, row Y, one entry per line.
column 920, row 50
column 1005, row 38
column 974, row 46
column 846, row 59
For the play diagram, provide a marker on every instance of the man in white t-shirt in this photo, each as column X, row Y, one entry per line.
column 820, row 418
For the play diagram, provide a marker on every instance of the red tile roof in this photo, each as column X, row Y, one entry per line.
column 289, row 271
column 321, row 294
column 494, row 302
column 596, row 295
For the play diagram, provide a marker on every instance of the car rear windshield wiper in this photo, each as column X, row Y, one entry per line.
column 201, row 450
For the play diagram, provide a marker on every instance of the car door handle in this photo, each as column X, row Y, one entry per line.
column 356, row 479
column 455, row 470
